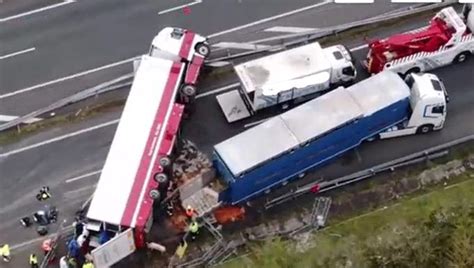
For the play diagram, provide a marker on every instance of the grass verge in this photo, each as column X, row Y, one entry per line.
column 345, row 238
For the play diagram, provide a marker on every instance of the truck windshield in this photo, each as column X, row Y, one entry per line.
column 436, row 85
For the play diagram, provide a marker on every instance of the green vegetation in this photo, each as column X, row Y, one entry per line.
column 432, row 230
column 16, row 134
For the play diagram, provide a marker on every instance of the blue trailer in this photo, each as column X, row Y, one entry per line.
column 286, row 146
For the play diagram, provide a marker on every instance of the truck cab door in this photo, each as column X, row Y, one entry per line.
column 435, row 111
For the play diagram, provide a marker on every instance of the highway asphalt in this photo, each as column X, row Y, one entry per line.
column 84, row 35
column 24, row 171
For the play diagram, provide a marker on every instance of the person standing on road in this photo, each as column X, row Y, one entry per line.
column 189, row 212
column 88, row 264
column 43, row 194
column 33, row 261
column 5, row 252
column 47, row 246
column 194, row 230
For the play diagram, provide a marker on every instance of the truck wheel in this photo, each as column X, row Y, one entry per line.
column 424, row 129
column 161, row 178
column 188, row 91
column 155, row 194
column 165, row 162
column 203, row 49
column 462, row 57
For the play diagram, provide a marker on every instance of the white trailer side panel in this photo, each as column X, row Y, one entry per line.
column 130, row 142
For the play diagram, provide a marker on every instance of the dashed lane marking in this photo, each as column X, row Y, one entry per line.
column 17, row 53
column 24, row 14
column 63, row 137
column 284, row 29
column 87, row 175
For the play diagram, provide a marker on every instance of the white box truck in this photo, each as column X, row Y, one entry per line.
column 297, row 74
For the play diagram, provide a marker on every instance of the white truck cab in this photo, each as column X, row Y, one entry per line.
column 177, row 44
column 342, row 64
column 172, row 40
column 428, row 105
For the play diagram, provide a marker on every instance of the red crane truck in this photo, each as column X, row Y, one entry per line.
column 448, row 39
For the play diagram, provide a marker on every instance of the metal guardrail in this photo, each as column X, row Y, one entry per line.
column 87, row 93
column 311, row 35
column 428, row 154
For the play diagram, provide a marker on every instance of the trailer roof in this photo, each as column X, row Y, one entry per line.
column 379, row 91
column 283, row 66
column 322, row 114
column 310, row 120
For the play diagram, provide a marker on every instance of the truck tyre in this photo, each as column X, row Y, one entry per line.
column 155, row 194
column 161, row 178
column 165, row 162
column 187, row 94
column 424, row 129
column 462, row 57
column 203, row 49
column 188, row 90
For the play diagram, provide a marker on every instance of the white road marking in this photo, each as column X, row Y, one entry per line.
column 179, row 7
column 78, row 192
column 218, row 90
column 245, row 46
column 60, row 138
column 286, row 14
column 356, row 1
column 418, row 1
column 17, row 53
column 218, row 63
column 39, row 239
column 66, row 78
column 284, row 29
column 34, row 87
column 90, row 174
column 359, row 47
column 8, row 118
column 65, row 2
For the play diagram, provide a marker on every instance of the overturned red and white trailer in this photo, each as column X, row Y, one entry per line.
column 134, row 171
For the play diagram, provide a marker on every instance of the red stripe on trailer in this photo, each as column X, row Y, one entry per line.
column 146, row 206
column 187, row 43
column 171, row 130
column 151, row 144
column 193, row 69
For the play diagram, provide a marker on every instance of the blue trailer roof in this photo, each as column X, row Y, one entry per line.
column 310, row 120
column 379, row 91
